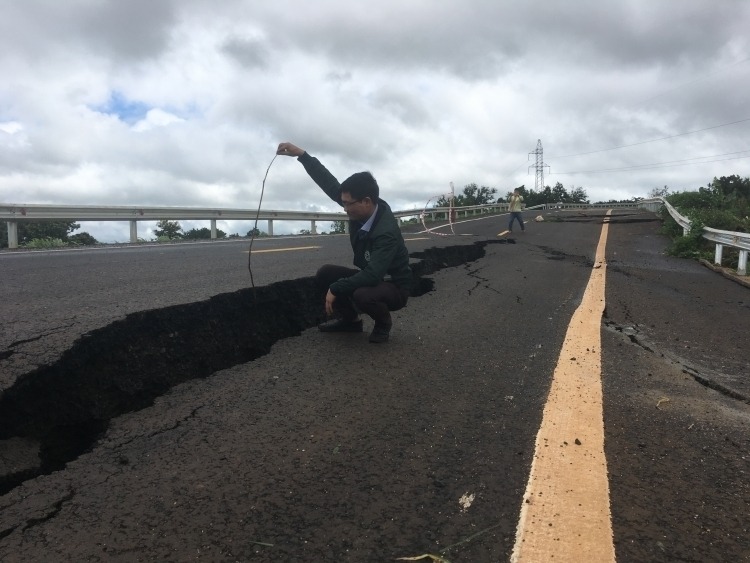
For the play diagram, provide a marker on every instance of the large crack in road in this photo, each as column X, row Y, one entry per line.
column 707, row 377
column 53, row 414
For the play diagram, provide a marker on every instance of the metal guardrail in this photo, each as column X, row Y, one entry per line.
column 681, row 220
column 113, row 213
column 740, row 241
column 31, row 212
column 12, row 213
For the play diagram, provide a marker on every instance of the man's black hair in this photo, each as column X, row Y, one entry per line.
column 361, row 185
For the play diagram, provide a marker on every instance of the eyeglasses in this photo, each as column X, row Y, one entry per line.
column 346, row 204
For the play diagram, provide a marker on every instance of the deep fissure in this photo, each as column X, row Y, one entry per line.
column 66, row 407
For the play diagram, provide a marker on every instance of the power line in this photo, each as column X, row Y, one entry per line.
column 687, row 159
column 667, row 164
column 654, row 140
column 670, row 136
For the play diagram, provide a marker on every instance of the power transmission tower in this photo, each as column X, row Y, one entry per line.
column 539, row 179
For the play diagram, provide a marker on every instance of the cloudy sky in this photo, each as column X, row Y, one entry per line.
column 183, row 102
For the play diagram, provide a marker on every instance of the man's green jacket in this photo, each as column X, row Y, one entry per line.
column 379, row 253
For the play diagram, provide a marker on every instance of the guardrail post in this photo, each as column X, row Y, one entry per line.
column 270, row 227
column 742, row 263
column 717, row 254
column 313, row 228
column 12, row 234
column 213, row 229
column 133, row 230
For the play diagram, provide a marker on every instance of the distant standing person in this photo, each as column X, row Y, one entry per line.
column 515, row 201
column 383, row 281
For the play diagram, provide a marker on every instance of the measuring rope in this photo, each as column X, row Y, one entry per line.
column 255, row 227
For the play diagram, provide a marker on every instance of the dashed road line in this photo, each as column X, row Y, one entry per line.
column 565, row 514
column 287, row 249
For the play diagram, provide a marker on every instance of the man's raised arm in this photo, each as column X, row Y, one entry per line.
column 319, row 173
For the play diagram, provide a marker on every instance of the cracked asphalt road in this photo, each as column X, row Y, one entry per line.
column 331, row 449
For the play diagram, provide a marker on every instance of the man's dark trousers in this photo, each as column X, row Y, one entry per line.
column 375, row 301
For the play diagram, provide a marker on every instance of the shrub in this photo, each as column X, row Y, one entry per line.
column 45, row 243
column 693, row 200
column 693, row 245
column 717, row 219
column 204, row 233
column 84, row 239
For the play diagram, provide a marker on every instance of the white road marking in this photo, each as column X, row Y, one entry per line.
column 284, row 249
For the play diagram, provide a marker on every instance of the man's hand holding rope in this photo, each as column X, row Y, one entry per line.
column 288, row 149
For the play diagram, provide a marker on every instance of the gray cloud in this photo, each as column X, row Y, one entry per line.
column 250, row 53
column 130, row 30
column 421, row 93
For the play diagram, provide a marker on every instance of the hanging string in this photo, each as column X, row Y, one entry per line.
column 255, row 227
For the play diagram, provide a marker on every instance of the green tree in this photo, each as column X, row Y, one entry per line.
column 579, row 195
column 338, row 227
column 43, row 229
column 471, row 195
column 168, row 229
column 659, row 192
column 256, row 232
column 559, row 194
column 84, row 239
column 531, row 197
column 203, row 233
column 547, row 195
column 704, row 198
column 733, row 192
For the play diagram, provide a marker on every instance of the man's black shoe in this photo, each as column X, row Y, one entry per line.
column 380, row 333
column 340, row 325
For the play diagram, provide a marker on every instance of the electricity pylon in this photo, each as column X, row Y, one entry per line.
column 539, row 179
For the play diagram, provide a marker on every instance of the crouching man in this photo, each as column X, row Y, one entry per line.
column 382, row 282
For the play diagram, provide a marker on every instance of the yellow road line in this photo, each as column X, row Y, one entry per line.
column 284, row 249
column 565, row 514
column 420, row 238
